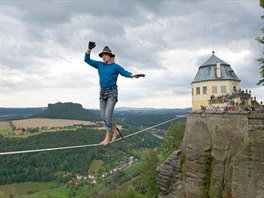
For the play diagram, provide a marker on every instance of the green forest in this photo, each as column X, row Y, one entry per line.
column 44, row 165
column 51, row 166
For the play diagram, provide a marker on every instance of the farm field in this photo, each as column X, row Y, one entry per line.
column 5, row 127
column 46, row 122
column 15, row 128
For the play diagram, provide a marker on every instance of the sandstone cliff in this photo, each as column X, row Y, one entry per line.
column 222, row 155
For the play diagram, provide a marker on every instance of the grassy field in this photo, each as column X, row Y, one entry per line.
column 46, row 190
column 45, row 122
column 26, row 188
column 134, row 168
column 59, row 192
column 43, row 125
column 64, row 192
column 5, row 128
column 95, row 166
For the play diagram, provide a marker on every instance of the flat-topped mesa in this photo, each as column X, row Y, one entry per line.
column 67, row 110
column 66, row 105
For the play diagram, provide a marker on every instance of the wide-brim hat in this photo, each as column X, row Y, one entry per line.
column 106, row 50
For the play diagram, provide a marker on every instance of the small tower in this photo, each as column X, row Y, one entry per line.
column 214, row 78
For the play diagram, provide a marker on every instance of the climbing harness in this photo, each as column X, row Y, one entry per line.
column 87, row 145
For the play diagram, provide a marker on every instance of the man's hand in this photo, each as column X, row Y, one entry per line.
column 91, row 45
column 138, row 75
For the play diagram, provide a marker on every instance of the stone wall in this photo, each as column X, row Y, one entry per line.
column 222, row 155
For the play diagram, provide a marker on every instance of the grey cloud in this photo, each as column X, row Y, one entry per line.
column 217, row 23
column 29, row 58
column 196, row 23
column 54, row 27
column 51, row 13
column 44, row 81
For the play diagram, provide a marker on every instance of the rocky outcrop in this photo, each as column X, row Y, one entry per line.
column 221, row 156
column 169, row 176
column 67, row 110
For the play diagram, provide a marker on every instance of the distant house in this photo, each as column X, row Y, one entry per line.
column 18, row 131
column 44, row 128
column 79, row 177
column 91, row 177
column 93, row 181
column 78, row 126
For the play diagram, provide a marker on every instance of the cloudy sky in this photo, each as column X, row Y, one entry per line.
column 43, row 45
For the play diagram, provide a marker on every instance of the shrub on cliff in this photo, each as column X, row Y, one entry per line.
column 172, row 139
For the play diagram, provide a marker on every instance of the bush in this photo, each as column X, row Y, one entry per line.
column 172, row 139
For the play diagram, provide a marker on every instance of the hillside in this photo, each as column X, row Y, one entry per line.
column 146, row 117
column 76, row 161
column 18, row 113
column 134, row 116
column 52, row 166
column 67, row 110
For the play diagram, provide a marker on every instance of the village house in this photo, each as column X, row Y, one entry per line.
column 121, row 166
column 20, row 131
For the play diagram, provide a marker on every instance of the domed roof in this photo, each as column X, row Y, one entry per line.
column 207, row 71
column 213, row 60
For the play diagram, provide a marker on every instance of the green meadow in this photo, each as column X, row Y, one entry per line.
column 26, row 189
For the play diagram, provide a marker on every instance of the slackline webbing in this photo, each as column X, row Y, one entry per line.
column 87, row 145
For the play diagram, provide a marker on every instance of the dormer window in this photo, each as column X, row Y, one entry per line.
column 231, row 72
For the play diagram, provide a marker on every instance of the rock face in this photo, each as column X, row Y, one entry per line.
column 222, row 155
column 169, row 176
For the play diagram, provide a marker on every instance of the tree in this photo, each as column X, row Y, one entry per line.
column 261, row 41
column 146, row 184
column 172, row 139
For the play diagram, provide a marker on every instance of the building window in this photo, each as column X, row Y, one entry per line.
column 204, row 90
column 214, row 89
column 234, row 88
column 223, row 89
column 197, row 90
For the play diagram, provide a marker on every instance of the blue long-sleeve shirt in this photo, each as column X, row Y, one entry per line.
column 108, row 73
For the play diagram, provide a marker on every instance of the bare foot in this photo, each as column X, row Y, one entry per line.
column 106, row 140
column 115, row 133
